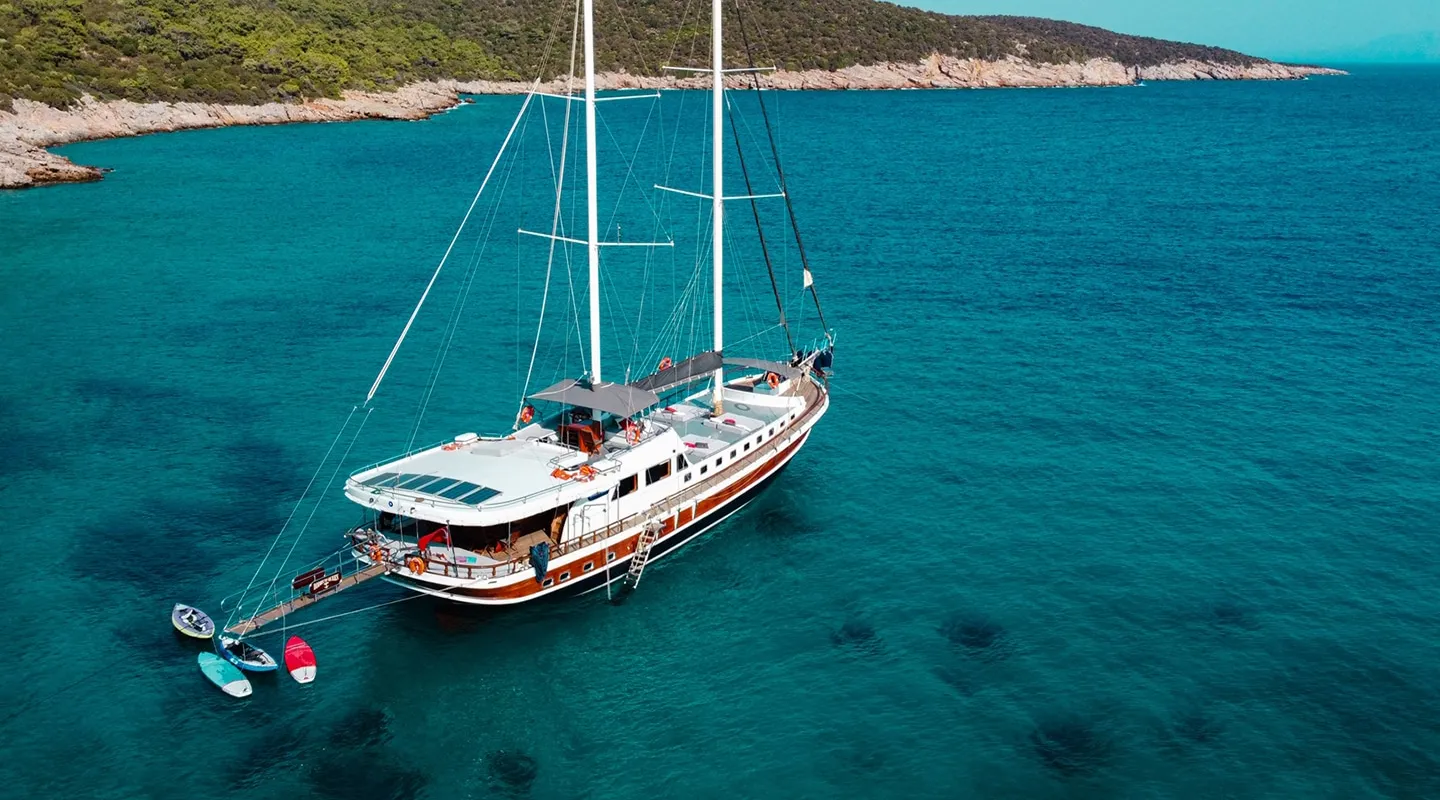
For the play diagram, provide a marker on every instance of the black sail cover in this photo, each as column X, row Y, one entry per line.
column 691, row 368
column 612, row 398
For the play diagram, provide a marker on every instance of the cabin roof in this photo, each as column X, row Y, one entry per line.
column 486, row 481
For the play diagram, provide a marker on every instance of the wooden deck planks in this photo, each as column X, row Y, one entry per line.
column 258, row 621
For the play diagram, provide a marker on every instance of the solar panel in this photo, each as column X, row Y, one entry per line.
column 478, row 496
column 458, row 490
column 379, row 479
column 439, row 486
column 415, row 481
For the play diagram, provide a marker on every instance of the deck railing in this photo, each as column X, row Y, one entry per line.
column 672, row 506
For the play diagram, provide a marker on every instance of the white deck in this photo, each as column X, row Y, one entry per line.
column 496, row 480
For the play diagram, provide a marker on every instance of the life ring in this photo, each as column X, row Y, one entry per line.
column 415, row 564
column 665, row 363
column 527, row 413
column 633, row 433
column 773, row 380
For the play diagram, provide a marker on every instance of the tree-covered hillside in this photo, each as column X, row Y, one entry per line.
column 247, row 51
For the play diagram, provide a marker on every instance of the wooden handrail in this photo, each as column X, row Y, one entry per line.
column 672, row 505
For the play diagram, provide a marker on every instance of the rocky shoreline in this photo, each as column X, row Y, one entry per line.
column 31, row 127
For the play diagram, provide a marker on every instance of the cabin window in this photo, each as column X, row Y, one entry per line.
column 688, row 476
column 757, row 438
column 589, row 565
column 747, row 447
column 609, row 557
column 657, row 473
column 628, row 485
column 679, row 463
column 772, row 431
column 548, row 583
column 564, row 576
column 704, row 468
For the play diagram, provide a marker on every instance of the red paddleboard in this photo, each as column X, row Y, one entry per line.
column 300, row 660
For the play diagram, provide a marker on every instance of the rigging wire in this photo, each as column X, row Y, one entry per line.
column 779, row 170
column 411, row 321
column 759, row 229
column 338, row 464
column 289, row 519
column 555, row 215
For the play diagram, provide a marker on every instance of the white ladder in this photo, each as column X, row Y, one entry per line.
column 648, row 535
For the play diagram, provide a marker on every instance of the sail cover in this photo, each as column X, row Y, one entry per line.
column 612, row 398
column 689, row 369
column 769, row 366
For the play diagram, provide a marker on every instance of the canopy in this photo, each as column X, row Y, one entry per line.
column 769, row 366
column 693, row 367
column 612, row 398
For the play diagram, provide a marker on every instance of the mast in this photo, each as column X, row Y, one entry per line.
column 717, row 189
column 591, row 202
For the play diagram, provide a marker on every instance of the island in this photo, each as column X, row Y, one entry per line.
column 106, row 68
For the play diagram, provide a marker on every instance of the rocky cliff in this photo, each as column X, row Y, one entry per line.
column 32, row 127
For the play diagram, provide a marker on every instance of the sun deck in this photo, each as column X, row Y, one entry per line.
column 474, row 480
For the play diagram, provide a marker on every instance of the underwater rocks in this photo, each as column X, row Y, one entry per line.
column 511, row 771
column 1070, row 746
column 856, row 634
column 978, row 636
column 365, row 727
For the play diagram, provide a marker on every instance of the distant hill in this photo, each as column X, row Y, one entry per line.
column 252, row 51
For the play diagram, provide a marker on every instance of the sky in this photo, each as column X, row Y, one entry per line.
column 1277, row 29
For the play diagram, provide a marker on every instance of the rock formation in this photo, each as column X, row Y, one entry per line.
column 32, row 127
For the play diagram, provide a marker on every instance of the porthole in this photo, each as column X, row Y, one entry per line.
column 609, row 557
column 747, row 447
column 564, row 576
column 589, row 565
column 548, row 583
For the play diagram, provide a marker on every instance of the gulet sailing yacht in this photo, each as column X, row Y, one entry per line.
column 597, row 478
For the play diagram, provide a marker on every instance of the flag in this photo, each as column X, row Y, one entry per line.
column 809, row 279
column 442, row 534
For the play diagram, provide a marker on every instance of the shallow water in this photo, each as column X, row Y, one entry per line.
column 1129, row 488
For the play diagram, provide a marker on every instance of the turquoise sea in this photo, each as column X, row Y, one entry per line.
column 1130, row 487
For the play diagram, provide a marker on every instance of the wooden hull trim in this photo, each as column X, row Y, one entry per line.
column 714, row 510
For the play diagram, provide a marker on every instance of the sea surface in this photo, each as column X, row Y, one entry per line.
column 1130, row 487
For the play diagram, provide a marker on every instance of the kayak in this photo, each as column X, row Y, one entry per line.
column 300, row 660
column 192, row 621
column 224, row 674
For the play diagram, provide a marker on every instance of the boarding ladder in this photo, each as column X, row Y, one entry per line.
column 648, row 535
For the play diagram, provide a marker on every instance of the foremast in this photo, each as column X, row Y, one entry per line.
column 717, row 187
column 592, row 205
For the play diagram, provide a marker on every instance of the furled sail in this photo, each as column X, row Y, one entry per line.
column 612, row 398
column 697, row 366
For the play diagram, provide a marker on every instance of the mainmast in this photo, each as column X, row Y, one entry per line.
column 591, row 202
column 717, row 188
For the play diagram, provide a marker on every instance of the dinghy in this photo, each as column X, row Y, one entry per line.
column 192, row 622
column 300, row 660
column 246, row 656
column 221, row 673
